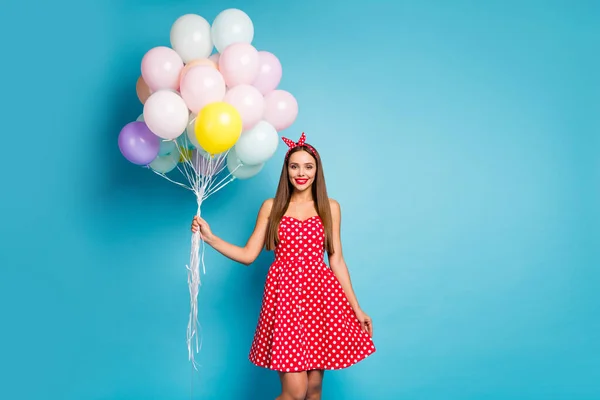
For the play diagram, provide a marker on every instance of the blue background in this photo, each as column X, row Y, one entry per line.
column 461, row 139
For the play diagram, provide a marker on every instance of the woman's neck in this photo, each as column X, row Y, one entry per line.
column 301, row 197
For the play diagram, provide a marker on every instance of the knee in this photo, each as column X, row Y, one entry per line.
column 296, row 392
column 313, row 391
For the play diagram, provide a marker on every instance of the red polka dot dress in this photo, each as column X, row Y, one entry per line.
column 306, row 321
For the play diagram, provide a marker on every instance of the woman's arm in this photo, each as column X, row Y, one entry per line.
column 340, row 269
column 244, row 255
column 336, row 260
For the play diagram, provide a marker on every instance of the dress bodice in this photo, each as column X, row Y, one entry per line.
column 300, row 240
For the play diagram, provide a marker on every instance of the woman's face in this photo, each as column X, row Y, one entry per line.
column 302, row 169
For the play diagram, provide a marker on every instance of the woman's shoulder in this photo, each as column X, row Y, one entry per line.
column 268, row 203
column 334, row 204
column 266, row 206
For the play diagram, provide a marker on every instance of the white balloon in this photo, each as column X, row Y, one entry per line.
column 166, row 114
column 258, row 144
column 238, row 169
column 191, row 37
column 166, row 146
column 231, row 26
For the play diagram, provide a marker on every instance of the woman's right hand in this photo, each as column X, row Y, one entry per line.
column 198, row 224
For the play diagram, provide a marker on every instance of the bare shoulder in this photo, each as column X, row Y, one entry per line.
column 268, row 203
column 336, row 209
column 265, row 208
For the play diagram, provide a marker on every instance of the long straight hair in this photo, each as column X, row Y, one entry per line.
column 284, row 194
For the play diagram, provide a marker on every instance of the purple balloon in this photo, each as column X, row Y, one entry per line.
column 138, row 144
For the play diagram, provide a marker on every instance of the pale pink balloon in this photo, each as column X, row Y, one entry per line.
column 239, row 64
column 281, row 109
column 166, row 114
column 202, row 85
column 195, row 63
column 249, row 102
column 161, row 67
column 269, row 74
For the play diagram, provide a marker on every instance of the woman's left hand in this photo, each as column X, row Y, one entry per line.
column 366, row 324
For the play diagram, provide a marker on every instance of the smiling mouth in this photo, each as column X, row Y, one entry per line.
column 301, row 181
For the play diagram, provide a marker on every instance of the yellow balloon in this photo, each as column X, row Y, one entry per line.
column 218, row 127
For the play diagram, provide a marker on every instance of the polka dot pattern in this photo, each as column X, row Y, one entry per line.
column 305, row 321
column 301, row 142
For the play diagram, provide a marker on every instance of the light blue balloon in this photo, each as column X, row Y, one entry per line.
column 165, row 164
column 238, row 169
column 167, row 147
column 184, row 142
column 258, row 144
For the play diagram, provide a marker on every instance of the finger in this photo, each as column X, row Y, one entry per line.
column 370, row 329
column 362, row 326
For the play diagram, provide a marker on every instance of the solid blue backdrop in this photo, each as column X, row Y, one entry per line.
column 461, row 139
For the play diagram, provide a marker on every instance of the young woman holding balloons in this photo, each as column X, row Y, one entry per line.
column 310, row 320
column 229, row 108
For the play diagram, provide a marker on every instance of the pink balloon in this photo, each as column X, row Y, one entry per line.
column 281, row 109
column 269, row 74
column 239, row 64
column 161, row 67
column 249, row 102
column 202, row 85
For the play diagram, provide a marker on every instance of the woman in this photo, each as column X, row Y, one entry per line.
column 310, row 320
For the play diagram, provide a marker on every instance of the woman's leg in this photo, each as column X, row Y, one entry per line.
column 315, row 384
column 293, row 385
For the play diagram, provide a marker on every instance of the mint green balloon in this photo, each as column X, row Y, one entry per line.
column 165, row 164
column 167, row 147
column 184, row 142
column 238, row 169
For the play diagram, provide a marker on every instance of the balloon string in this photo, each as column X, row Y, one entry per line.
column 171, row 180
column 201, row 173
column 194, row 284
column 216, row 189
column 218, row 186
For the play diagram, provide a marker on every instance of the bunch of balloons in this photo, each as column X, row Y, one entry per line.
column 205, row 113
column 197, row 104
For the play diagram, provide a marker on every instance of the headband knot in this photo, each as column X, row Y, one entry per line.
column 301, row 142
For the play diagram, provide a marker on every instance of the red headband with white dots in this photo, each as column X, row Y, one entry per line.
column 301, row 142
